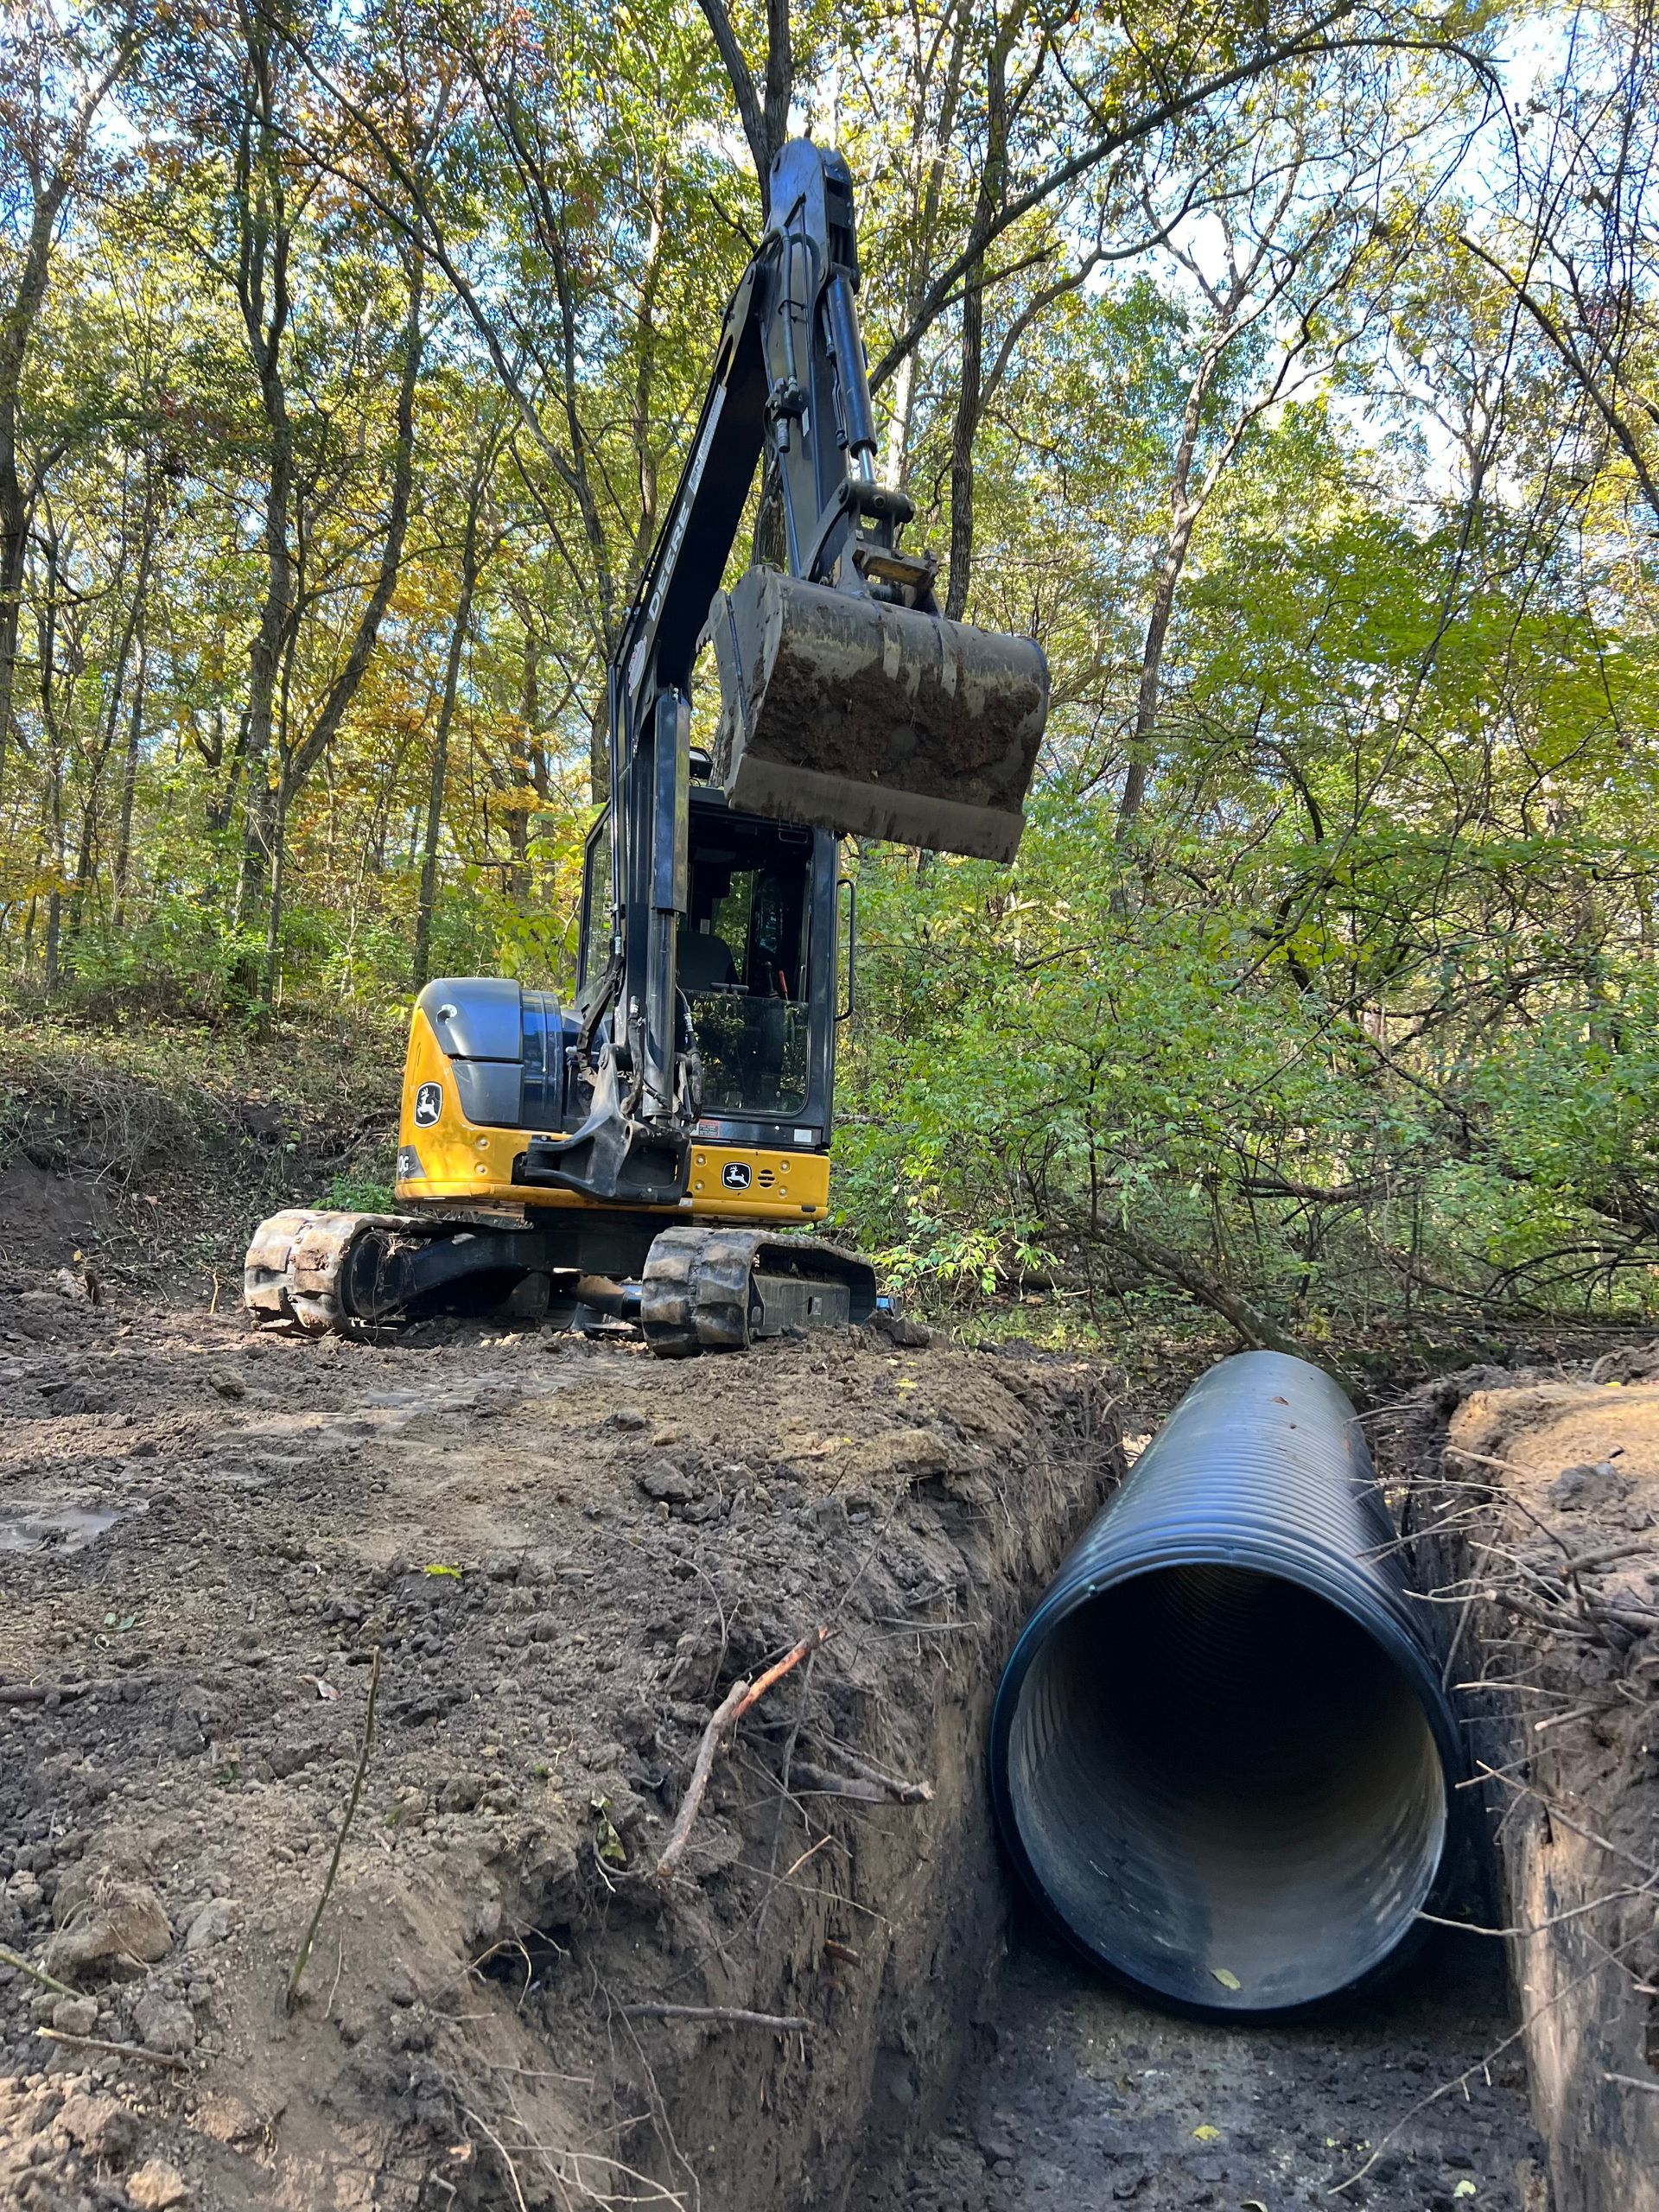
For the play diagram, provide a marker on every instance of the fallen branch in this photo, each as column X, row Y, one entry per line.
column 168, row 2058
column 40, row 1693
column 764, row 1683
column 904, row 1793
column 35, row 1974
column 866, row 1790
column 736, row 1702
column 813, row 1782
column 302, row 1957
column 790, row 2024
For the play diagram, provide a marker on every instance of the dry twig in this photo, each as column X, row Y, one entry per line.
column 168, row 2058
column 790, row 2024
column 737, row 1702
column 302, row 1957
column 903, row 1792
column 9, row 1958
column 40, row 1693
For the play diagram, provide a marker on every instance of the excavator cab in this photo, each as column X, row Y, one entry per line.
column 756, row 969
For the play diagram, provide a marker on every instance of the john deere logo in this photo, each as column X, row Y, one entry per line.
column 429, row 1104
column 736, row 1174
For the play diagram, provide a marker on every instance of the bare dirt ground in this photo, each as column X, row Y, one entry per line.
column 564, row 1554
column 1540, row 1489
column 1088, row 2097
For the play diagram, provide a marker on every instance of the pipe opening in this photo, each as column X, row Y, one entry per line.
column 1214, row 1771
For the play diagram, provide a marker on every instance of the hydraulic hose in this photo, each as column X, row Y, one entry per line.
column 1220, row 1753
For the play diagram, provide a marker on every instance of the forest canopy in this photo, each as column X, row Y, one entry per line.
column 1291, row 373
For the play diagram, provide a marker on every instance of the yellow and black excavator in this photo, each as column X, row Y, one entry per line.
column 644, row 1153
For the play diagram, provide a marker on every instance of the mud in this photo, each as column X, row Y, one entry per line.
column 1087, row 2097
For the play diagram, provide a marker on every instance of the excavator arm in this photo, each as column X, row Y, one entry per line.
column 847, row 702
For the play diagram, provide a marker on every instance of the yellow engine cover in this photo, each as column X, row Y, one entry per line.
column 462, row 1163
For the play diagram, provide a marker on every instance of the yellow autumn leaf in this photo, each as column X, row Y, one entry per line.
column 1206, row 2134
column 1227, row 1980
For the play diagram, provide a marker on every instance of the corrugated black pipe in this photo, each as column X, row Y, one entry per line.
column 1221, row 1752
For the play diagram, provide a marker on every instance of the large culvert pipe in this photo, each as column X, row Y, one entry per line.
column 1220, row 1753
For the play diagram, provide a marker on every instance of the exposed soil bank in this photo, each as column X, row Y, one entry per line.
column 564, row 1555
column 1542, row 1491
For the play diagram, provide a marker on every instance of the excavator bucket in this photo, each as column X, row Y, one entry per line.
column 844, row 712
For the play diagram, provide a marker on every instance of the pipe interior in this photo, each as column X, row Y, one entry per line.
column 1216, row 1773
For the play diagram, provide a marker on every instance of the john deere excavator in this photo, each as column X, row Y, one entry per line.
column 644, row 1153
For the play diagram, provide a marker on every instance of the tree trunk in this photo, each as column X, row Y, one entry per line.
column 53, row 175
column 52, row 967
column 429, row 895
column 270, row 974
column 264, row 296
column 992, row 187
column 962, row 432
column 87, row 855
column 1152, row 662
column 1183, row 511
column 129, row 788
column 524, row 749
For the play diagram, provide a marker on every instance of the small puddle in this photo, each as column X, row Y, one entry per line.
column 53, row 1527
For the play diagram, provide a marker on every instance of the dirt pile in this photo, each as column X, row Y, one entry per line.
column 1539, row 1493
column 153, row 1157
column 564, row 1555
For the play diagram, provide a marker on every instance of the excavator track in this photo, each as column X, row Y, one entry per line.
column 718, row 1289
column 702, row 1290
column 338, row 1272
column 294, row 1263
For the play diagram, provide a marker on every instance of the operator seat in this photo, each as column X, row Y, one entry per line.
column 705, row 963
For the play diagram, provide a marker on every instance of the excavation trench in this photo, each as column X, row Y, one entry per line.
column 1225, row 1764
column 566, row 1556
column 1223, row 1755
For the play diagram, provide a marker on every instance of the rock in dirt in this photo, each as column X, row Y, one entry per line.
column 75, row 2016
column 101, row 2126
column 156, row 2186
column 108, row 1919
column 213, row 1922
column 1586, row 1489
column 164, row 2024
column 908, row 1336
column 668, row 1482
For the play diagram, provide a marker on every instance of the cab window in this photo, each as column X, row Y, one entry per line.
column 742, row 969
